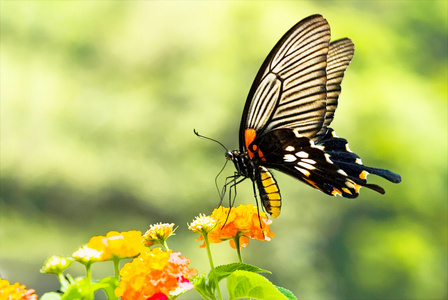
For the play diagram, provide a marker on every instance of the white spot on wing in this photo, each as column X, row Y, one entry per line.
column 333, row 133
column 303, row 171
column 290, row 148
column 309, row 161
column 348, row 149
column 342, row 172
column 306, row 166
column 289, row 158
column 328, row 158
column 349, row 184
column 358, row 161
column 302, row 154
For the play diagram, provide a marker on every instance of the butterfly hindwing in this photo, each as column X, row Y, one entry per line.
column 340, row 55
column 328, row 166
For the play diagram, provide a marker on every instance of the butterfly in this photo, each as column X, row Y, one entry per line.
column 286, row 118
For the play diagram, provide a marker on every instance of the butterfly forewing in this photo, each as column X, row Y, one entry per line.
column 290, row 88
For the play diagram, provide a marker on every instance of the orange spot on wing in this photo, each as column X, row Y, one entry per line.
column 249, row 137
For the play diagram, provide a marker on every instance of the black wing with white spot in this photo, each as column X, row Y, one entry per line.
column 328, row 165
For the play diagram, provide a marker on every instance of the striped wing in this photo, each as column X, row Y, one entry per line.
column 290, row 90
column 340, row 55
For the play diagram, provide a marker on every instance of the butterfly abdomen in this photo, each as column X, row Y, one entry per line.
column 269, row 191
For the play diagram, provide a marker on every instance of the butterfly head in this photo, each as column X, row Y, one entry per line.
column 229, row 155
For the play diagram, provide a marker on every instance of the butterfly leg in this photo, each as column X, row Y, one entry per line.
column 258, row 206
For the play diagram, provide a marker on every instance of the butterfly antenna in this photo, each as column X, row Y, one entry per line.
column 210, row 139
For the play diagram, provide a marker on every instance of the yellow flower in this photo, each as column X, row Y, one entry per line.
column 242, row 223
column 56, row 264
column 158, row 234
column 86, row 255
column 15, row 291
column 202, row 224
column 117, row 245
column 154, row 272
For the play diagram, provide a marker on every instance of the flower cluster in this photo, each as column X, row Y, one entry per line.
column 117, row 245
column 239, row 224
column 153, row 274
column 15, row 291
column 56, row 264
column 203, row 224
column 158, row 234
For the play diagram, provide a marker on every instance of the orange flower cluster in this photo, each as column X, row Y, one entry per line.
column 153, row 274
column 15, row 291
column 116, row 245
column 241, row 222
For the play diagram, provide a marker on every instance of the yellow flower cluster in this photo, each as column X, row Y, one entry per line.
column 15, row 291
column 117, row 245
column 154, row 273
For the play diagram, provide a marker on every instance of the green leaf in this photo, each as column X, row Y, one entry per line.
column 202, row 287
column 225, row 270
column 240, row 266
column 51, row 296
column 244, row 284
column 287, row 293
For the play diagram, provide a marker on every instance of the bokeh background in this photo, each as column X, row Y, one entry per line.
column 99, row 100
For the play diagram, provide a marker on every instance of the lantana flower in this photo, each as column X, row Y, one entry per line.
column 240, row 224
column 157, row 234
column 203, row 224
column 154, row 273
column 117, row 245
column 56, row 264
column 15, row 291
column 86, row 255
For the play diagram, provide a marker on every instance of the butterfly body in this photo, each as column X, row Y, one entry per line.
column 286, row 118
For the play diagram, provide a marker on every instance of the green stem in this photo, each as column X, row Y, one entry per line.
column 207, row 245
column 89, row 280
column 238, row 249
column 164, row 245
column 117, row 268
column 64, row 283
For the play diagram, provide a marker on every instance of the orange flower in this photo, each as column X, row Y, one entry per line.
column 117, row 245
column 241, row 222
column 158, row 234
column 153, row 274
column 15, row 291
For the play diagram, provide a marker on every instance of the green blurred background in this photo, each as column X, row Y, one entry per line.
column 99, row 100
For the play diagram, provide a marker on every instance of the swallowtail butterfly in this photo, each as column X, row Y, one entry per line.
column 286, row 118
